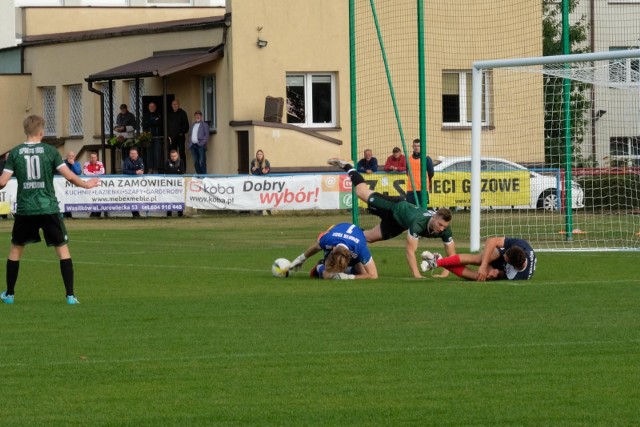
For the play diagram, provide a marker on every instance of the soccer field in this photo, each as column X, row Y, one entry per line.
column 181, row 324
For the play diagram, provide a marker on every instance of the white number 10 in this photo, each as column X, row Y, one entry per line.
column 33, row 167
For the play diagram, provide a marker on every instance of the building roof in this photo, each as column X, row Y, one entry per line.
column 160, row 64
column 129, row 30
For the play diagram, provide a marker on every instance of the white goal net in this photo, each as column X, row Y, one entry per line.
column 568, row 178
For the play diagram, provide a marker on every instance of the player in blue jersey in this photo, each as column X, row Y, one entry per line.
column 502, row 258
column 346, row 255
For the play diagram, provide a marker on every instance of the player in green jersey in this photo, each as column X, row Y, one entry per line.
column 398, row 215
column 33, row 164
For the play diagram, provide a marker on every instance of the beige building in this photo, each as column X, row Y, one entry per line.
column 227, row 61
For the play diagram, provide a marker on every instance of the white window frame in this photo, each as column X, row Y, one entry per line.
column 74, row 97
column 131, row 88
column 465, row 98
column 104, row 88
column 49, row 110
column 30, row 3
column 172, row 3
column 209, row 100
column 631, row 145
column 628, row 64
column 308, row 95
column 104, row 3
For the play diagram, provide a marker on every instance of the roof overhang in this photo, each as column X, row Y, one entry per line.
column 160, row 64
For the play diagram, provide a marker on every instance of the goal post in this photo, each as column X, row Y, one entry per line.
column 597, row 195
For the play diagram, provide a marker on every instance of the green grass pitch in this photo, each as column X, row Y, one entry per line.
column 182, row 324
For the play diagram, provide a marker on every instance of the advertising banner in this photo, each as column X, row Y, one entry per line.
column 265, row 192
column 496, row 189
column 135, row 193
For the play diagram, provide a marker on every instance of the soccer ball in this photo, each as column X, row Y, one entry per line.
column 280, row 267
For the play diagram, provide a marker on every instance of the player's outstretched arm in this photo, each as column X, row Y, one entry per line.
column 4, row 179
column 410, row 248
column 367, row 271
column 311, row 251
column 489, row 254
column 76, row 180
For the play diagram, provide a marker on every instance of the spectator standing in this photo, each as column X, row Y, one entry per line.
column 94, row 167
column 133, row 165
column 177, row 128
column 70, row 161
column 198, row 138
column 174, row 166
column 414, row 161
column 259, row 165
column 152, row 123
column 126, row 123
column 368, row 164
column 37, row 205
column 396, row 162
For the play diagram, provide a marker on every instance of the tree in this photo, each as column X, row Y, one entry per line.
column 554, row 132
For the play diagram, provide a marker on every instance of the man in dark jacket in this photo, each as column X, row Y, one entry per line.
column 177, row 128
column 133, row 165
column 174, row 166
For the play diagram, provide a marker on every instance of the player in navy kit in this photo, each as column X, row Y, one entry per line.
column 346, row 255
column 502, row 258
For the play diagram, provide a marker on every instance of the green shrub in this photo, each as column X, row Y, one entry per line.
column 611, row 191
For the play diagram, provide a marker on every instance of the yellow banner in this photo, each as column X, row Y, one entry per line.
column 496, row 189
column 454, row 188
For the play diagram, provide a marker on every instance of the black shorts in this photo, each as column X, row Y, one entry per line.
column 26, row 229
column 382, row 207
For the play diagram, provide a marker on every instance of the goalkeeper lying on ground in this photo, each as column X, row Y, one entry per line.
column 346, row 255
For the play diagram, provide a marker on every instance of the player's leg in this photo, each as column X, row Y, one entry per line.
column 373, row 234
column 362, row 189
column 55, row 234
column 25, row 230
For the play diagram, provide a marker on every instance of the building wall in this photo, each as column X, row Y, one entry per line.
column 16, row 88
column 300, row 39
column 51, row 20
column 48, row 70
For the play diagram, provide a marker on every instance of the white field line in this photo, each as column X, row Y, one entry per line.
column 262, row 355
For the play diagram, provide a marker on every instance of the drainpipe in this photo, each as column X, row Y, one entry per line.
column 102, row 138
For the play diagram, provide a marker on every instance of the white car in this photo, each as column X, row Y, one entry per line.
column 544, row 189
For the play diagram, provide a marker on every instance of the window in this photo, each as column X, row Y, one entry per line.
column 49, row 108
column 625, row 70
column 311, row 99
column 456, row 98
column 75, row 109
column 136, row 107
column 625, row 151
column 208, row 97
column 110, row 114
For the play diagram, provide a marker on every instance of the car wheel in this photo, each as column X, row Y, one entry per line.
column 548, row 200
